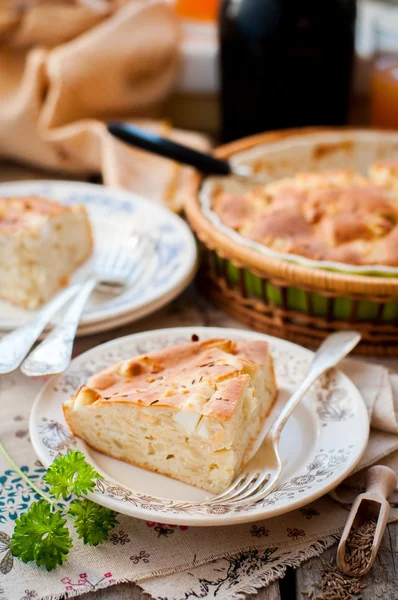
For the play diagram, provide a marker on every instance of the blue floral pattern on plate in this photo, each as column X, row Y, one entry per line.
column 168, row 273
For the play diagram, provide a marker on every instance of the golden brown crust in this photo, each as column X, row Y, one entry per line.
column 385, row 173
column 21, row 213
column 334, row 282
column 332, row 215
column 391, row 165
column 65, row 410
column 206, row 377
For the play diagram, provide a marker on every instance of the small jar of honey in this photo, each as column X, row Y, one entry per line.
column 203, row 10
column 384, row 79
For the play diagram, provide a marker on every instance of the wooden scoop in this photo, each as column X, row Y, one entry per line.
column 371, row 505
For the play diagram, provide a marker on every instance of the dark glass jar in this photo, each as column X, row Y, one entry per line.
column 284, row 63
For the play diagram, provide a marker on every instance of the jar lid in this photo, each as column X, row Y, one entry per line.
column 198, row 71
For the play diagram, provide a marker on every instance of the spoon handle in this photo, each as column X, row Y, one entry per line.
column 380, row 480
column 151, row 142
column 335, row 347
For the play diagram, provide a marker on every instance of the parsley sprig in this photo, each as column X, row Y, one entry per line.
column 92, row 522
column 70, row 474
column 41, row 534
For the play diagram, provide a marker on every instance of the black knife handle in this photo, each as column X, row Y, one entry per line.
column 146, row 140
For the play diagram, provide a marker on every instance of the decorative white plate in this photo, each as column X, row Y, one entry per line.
column 167, row 275
column 320, row 444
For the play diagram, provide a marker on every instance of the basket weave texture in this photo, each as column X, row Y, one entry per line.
column 289, row 300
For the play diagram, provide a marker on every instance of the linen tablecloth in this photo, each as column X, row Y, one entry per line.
column 175, row 562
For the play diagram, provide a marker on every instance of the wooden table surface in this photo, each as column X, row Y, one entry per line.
column 191, row 309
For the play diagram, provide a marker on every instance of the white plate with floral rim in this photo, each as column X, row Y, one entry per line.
column 320, row 444
column 167, row 275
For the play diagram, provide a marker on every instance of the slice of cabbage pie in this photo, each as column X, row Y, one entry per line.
column 42, row 243
column 189, row 411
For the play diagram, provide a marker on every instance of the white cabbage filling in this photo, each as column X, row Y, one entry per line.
column 198, row 449
column 35, row 264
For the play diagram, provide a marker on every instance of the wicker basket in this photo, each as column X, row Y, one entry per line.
column 289, row 300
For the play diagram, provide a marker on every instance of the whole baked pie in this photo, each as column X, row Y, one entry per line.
column 331, row 215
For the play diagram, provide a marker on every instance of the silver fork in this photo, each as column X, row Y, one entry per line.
column 261, row 474
column 15, row 346
column 111, row 268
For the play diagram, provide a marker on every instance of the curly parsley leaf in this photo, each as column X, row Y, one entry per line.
column 41, row 535
column 92, row 521
column 71, row 474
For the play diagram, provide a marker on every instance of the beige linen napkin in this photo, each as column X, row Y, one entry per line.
column 180, row 563
column 66, row 66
